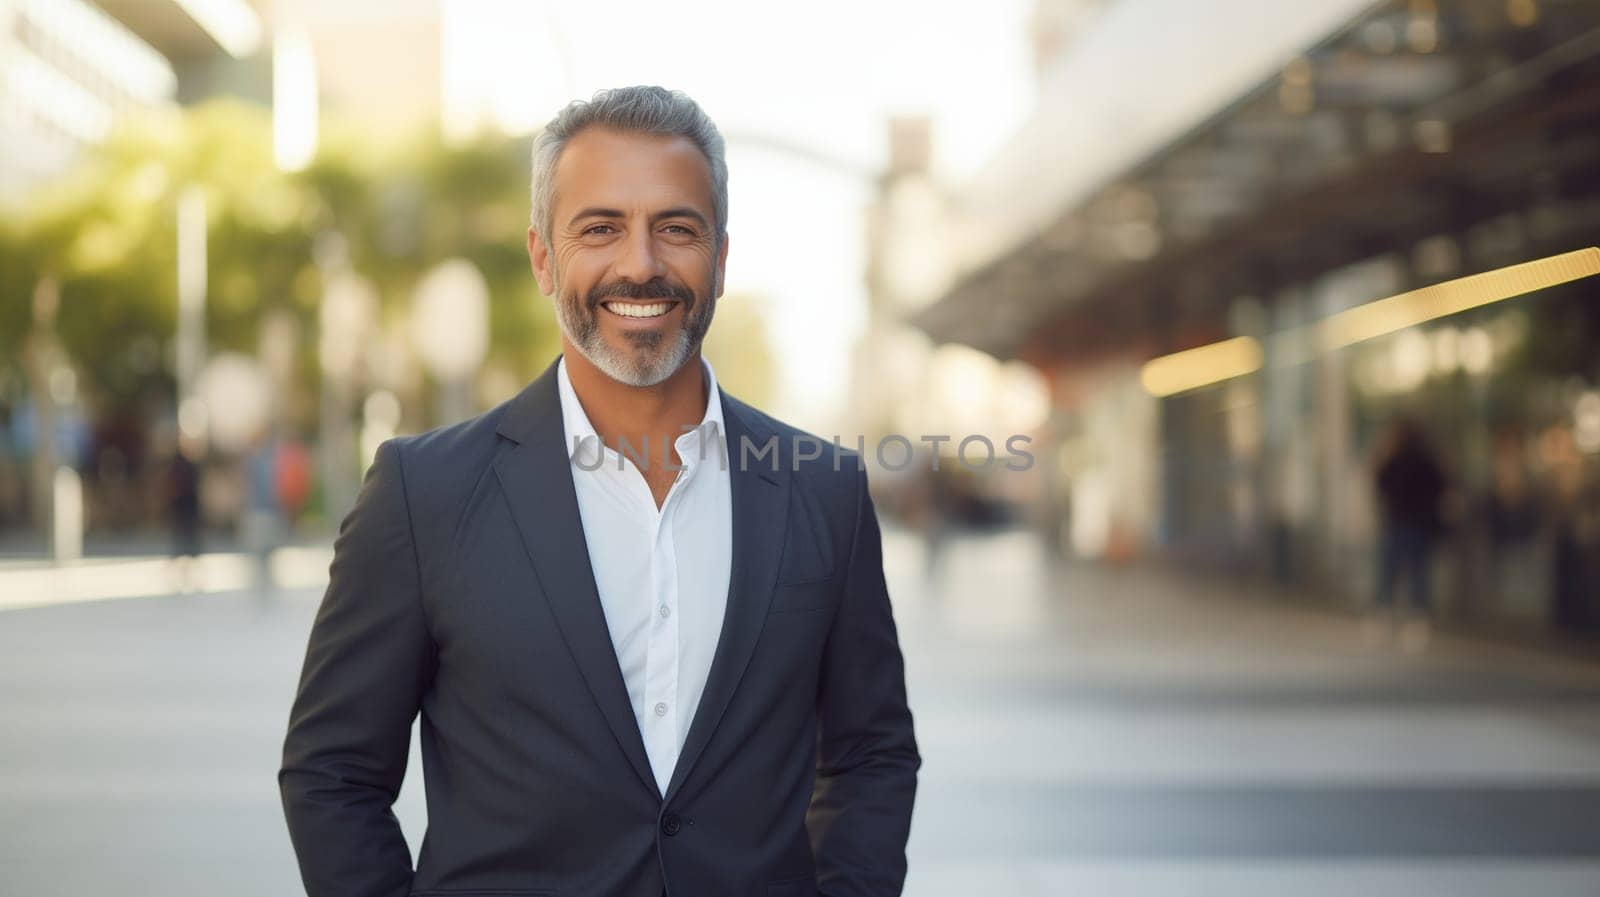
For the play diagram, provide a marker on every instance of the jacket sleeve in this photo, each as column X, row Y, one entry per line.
column 368, row 663
column 867, row 760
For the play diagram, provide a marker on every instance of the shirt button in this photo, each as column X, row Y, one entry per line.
column 666, row 611
column 661, row 709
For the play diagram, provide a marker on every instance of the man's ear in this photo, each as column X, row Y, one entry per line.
column 539, row 259
column 722, row 263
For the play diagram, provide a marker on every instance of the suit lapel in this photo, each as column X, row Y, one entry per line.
column 537, row 480
column 760, row 498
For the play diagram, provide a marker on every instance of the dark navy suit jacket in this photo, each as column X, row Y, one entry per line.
column 461, row 589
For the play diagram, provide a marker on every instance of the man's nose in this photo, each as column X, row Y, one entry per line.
column 639, row 261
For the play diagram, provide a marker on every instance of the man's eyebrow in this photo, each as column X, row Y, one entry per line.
column 593, row 212
column 682, row 212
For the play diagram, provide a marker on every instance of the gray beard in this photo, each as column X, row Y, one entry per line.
column 647, row 363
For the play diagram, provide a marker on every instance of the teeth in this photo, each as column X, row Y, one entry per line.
column 630, row 310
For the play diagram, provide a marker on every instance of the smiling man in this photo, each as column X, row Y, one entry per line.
column 651, row 647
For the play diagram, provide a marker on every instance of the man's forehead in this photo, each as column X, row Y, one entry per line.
column 604, row 164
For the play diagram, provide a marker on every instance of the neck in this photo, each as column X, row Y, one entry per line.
column 647, row 417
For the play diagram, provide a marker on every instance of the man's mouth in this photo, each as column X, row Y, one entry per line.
column 638, row 309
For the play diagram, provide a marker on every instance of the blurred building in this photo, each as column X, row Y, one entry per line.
column 375, row 62
column 68, row 72
column 378, row 62
column 71, row 70
column 919, row 234
column 215, row 47
column 1195, row 172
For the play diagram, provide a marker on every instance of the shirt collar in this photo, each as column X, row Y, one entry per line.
column 582, row 441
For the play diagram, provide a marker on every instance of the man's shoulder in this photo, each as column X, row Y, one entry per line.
column 830, row 462
column 444, row 462
column 455, row 442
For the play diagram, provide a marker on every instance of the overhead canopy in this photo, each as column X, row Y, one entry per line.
column 1394, row 127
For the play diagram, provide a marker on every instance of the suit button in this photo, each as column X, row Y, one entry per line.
column 671, row 824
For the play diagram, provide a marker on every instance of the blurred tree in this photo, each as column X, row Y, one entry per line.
column 737, row 347
column 106, row 234
column 107, row 231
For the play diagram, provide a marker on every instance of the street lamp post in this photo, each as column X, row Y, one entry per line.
column 450, row 327
column 349, row 307
column 190, row 348
column 42, row 357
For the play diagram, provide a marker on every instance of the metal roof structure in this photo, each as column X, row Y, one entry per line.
column 1413, row 120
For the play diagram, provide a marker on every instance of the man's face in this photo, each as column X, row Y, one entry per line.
column 632, row 259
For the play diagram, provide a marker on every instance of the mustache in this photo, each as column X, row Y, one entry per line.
column 654, row 288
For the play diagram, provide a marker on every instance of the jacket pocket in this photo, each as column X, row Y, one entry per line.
column 789, row 598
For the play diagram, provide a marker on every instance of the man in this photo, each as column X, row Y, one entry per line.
column 650, row 640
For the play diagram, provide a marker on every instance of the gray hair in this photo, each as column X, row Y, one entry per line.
column 638, row 110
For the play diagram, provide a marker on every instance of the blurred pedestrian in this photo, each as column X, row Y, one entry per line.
column 933, row 514
column 1513, row 516
column 1409, row 482
column 182, row 494
column 292, row 472
column 1575, row 533
column 263, row 519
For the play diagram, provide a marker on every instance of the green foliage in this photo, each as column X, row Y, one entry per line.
column 107, row 233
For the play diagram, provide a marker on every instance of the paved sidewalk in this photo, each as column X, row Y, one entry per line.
column 1084, row 732
column 1092, row 731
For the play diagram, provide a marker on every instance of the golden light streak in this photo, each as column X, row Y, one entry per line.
column 1418, row 306
column 1216, row 362
column 1193, row 368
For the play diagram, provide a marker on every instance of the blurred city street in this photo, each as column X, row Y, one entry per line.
column 1084, row 731
column 1180, row 339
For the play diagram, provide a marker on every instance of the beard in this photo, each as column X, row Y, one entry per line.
column 649, row 357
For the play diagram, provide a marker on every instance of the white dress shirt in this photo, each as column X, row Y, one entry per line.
column 662, row 574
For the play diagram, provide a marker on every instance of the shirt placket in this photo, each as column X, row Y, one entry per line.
column 661, row 664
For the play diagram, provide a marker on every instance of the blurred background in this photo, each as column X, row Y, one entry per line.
column 1300, row 593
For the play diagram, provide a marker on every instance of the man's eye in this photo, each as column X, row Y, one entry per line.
column 679, row 229
column 598, row 229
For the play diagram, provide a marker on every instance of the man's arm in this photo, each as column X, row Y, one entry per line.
column 867, row 760
column 368, row 663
